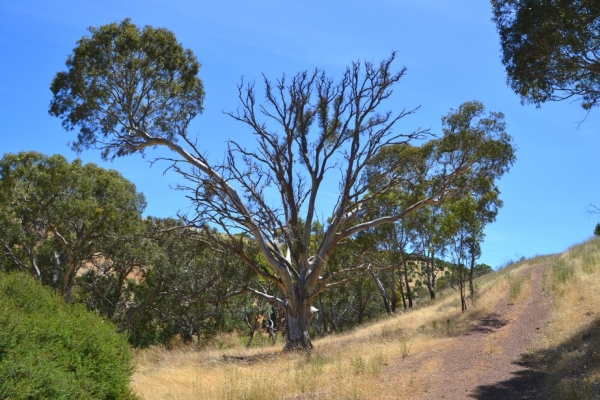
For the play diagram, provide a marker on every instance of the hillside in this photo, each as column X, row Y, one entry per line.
column 533, row 333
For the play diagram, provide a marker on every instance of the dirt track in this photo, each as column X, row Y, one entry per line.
column 490, row 361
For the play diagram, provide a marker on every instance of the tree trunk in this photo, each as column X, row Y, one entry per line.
column 325, row 317
column 361, row 310
column 408, row 292
column 393, row 290
column 402, row 289
column 272, row 320
column 428, row 281
column 320, row 326
column 35, row 270
column 253, row 327
column 471, row 285
column 386, row 302
column 68, row 281
column 461, row 285
column 462, row 282
column 141, row 307
column 298, row 314
column 430, row 274
column 431, row 291
column 188, row 330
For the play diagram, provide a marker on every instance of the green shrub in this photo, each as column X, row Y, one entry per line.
column 53, row 350
column 441, row 283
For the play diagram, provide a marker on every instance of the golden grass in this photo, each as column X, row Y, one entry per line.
column 571, row 349
column 381, row 360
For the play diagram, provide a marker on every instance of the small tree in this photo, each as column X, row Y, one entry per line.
column 431, row 241
column 597, row 230
column 127, row 89
column 465, row 224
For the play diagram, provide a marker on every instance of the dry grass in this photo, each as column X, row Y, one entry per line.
column 354, row 365
column 385, row 360
column 570, row 355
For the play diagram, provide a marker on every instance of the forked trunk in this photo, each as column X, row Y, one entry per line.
column 402, row 296
column 298, row 315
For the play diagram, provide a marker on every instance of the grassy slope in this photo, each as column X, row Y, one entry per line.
column 370, row 362
column 570, row 353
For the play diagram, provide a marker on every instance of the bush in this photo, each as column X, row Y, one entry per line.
column 50, row 349
column 441, row 283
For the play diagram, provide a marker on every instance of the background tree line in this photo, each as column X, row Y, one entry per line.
column 79, row 229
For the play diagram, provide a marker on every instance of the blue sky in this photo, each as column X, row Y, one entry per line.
column 451, row 50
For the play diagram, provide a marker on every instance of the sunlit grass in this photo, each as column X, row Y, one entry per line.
column 353, row 365
column 572, row 346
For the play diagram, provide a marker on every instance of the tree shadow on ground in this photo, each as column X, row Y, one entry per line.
column 565, row 371
column 523, row 385
column 488, row 324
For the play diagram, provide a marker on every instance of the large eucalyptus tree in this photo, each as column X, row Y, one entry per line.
column 128, row 89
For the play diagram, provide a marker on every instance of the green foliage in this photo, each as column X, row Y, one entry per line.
column 78, row 228
column 482, row 269
column 422, row 292
column 190, row 277
column 466, row 217
column 597, row 230
column 158, row 79
column 441, row 283
column 57, row 217
column 481, row 137
column 358, row 365
column 550, row 48
column 51, row 350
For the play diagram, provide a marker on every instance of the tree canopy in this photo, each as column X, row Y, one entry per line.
column 122, row 81
column 127, row 89
column 57, row 217
column 551, row 48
